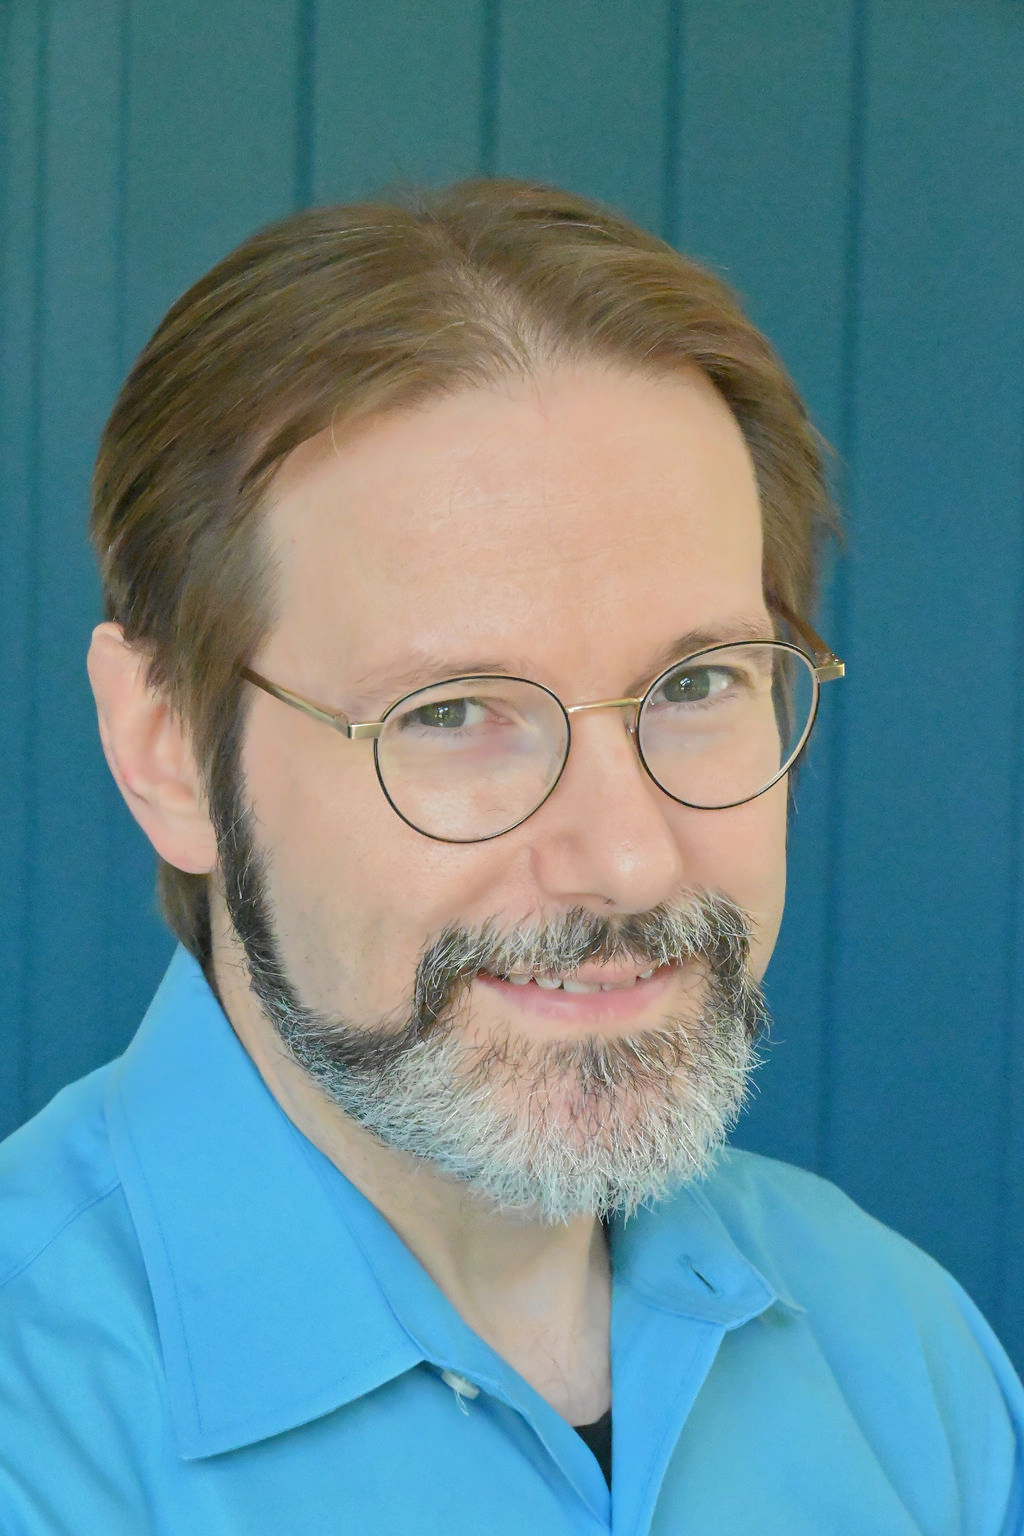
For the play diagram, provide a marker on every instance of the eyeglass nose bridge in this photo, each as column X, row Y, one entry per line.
column 632, row 724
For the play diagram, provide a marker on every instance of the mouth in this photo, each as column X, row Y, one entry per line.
column 590, row 995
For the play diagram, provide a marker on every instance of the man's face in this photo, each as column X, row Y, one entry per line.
column 570, row 530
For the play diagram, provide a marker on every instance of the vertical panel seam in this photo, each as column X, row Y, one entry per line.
column 6, row 88
column 305, row 101
column 672, row 160
column 6, row 93
column 847, row 423
column 124, row 121
column 15, row 968
column 1014, row 937
column 490, row 86
column 32, row 604
column 117, row 346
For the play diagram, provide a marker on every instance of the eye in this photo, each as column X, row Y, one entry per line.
column 445, row 715
column 696, row 685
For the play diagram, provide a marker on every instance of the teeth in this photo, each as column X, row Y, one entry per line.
column 553, row 983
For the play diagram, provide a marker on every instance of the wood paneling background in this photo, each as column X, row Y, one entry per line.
column 856, row 169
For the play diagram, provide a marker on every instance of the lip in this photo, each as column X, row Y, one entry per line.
column 588, row 1008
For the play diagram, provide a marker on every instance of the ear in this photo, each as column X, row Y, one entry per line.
column 149, row 753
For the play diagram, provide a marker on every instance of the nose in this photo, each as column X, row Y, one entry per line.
column 608, row 836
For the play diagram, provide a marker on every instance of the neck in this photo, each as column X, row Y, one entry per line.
column 539, row 1294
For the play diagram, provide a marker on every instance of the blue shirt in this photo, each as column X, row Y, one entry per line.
column 206, row 1330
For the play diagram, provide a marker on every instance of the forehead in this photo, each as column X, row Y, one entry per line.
column 553, row 523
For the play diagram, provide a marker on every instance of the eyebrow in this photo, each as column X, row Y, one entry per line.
column 387, row 684
column 730, row 632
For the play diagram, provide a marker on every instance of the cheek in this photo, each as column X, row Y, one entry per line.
column 742, row 852
column 356, row 894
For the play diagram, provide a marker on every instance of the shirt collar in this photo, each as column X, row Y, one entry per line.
column 680, row 1256
column 269, row 1315
column 280, row 1292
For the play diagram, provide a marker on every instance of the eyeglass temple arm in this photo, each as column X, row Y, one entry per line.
column 827, row 665
column 331, row 717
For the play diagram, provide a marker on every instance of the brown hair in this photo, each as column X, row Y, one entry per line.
column 339, row 312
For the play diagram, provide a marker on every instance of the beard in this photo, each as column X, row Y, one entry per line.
column 554, row 1129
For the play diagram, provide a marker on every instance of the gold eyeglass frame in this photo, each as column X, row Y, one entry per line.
column 825, row 666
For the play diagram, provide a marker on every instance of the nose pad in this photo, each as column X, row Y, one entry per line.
column 631, row 720
column 629, row 712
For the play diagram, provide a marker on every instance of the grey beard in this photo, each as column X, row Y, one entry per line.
column 556, row 1129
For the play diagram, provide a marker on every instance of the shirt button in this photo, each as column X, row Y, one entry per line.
column 459, row 1385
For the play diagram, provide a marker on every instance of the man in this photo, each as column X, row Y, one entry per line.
column 458, row 564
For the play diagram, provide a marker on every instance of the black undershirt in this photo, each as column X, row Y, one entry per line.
column 598, row 1436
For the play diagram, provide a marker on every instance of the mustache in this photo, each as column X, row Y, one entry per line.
column 707, row 927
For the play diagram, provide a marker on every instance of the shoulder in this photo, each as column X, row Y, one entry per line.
column 792, row 1224
column 872, row 1352
column 53, row 1171
column 79, row 1350
column 759, row 1195
column 866, row 1290
column 67, row 1243
column 809, row 1238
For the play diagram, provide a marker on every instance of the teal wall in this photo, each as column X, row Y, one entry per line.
column 856, row 169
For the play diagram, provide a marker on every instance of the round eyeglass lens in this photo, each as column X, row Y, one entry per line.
column 724, row 725
column 469, row 759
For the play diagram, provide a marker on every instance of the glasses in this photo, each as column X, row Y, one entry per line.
column 471, row 758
